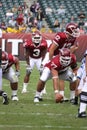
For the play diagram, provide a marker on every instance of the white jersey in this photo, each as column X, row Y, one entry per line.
column 81, row 74
column 83, row 60
column 0, row 33
column 82, row 67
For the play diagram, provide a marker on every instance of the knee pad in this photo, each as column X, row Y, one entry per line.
column 71, row 76
column 45, row 75
column 14, row 79
column 28, row 70
column 83, row 97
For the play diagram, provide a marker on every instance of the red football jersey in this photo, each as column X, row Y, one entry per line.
column 11, row 61
column 62, row 41
column 55, row 63
column 35, row 51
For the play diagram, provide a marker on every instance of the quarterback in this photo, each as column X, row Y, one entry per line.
column 61, row 40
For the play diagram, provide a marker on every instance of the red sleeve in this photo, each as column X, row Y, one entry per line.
column 59, row 37
column 11, row 58
column 27, row 43
column 45, row 44
column 73, row 58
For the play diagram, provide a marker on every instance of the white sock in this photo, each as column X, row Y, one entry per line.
column 44, row 88
column 37, row 94
column 25, row 85
column 62, row 93
column 14, row 92
column 82, row 107
column 72, row 94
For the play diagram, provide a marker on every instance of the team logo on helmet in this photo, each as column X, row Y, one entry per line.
column 73, row 30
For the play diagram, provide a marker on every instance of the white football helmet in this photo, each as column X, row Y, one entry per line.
column 73, row 30
column 4, row 62
column 36, row 38
column 65, row 57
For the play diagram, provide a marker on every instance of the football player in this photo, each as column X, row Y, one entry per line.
column 2, row 93
column 79, row 74
column 57, row 68
column 82, row 87
column 8, row 72
column 65, row 39
column 35, row 50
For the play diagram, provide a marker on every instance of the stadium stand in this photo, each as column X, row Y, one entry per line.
column 7, row 5
column 72, row 8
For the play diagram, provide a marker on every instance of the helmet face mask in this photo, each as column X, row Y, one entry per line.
column 65, row 58
column 36, row 38
column 73, row 30
column 65, row 61
column 4, row 62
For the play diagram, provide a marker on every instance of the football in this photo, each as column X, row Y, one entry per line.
column 59, row 98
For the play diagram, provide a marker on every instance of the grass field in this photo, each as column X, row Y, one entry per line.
column 46, row 115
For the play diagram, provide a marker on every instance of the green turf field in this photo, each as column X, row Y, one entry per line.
column 46, row 115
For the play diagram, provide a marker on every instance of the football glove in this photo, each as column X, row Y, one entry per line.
column 28, row 69
column 41, row 68
column 17, row 73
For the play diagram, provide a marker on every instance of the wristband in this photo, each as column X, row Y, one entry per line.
column 55, row 77
column 56, row 91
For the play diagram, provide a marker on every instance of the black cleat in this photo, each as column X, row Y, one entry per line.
column 73, row 101
column 82, row 115
column 76, row 101
column 5, row 99
column 40, row 99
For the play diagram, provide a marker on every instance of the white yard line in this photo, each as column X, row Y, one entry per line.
column 44, row 126
column 37, row 114
column 36, row 126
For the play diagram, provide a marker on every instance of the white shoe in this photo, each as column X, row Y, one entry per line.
column 24, row 91
column 36, row 99
column 44, row 91
column 65, row 99
column 14, row 98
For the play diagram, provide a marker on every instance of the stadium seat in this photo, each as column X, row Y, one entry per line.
column 8, row 4
column 72, row 8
